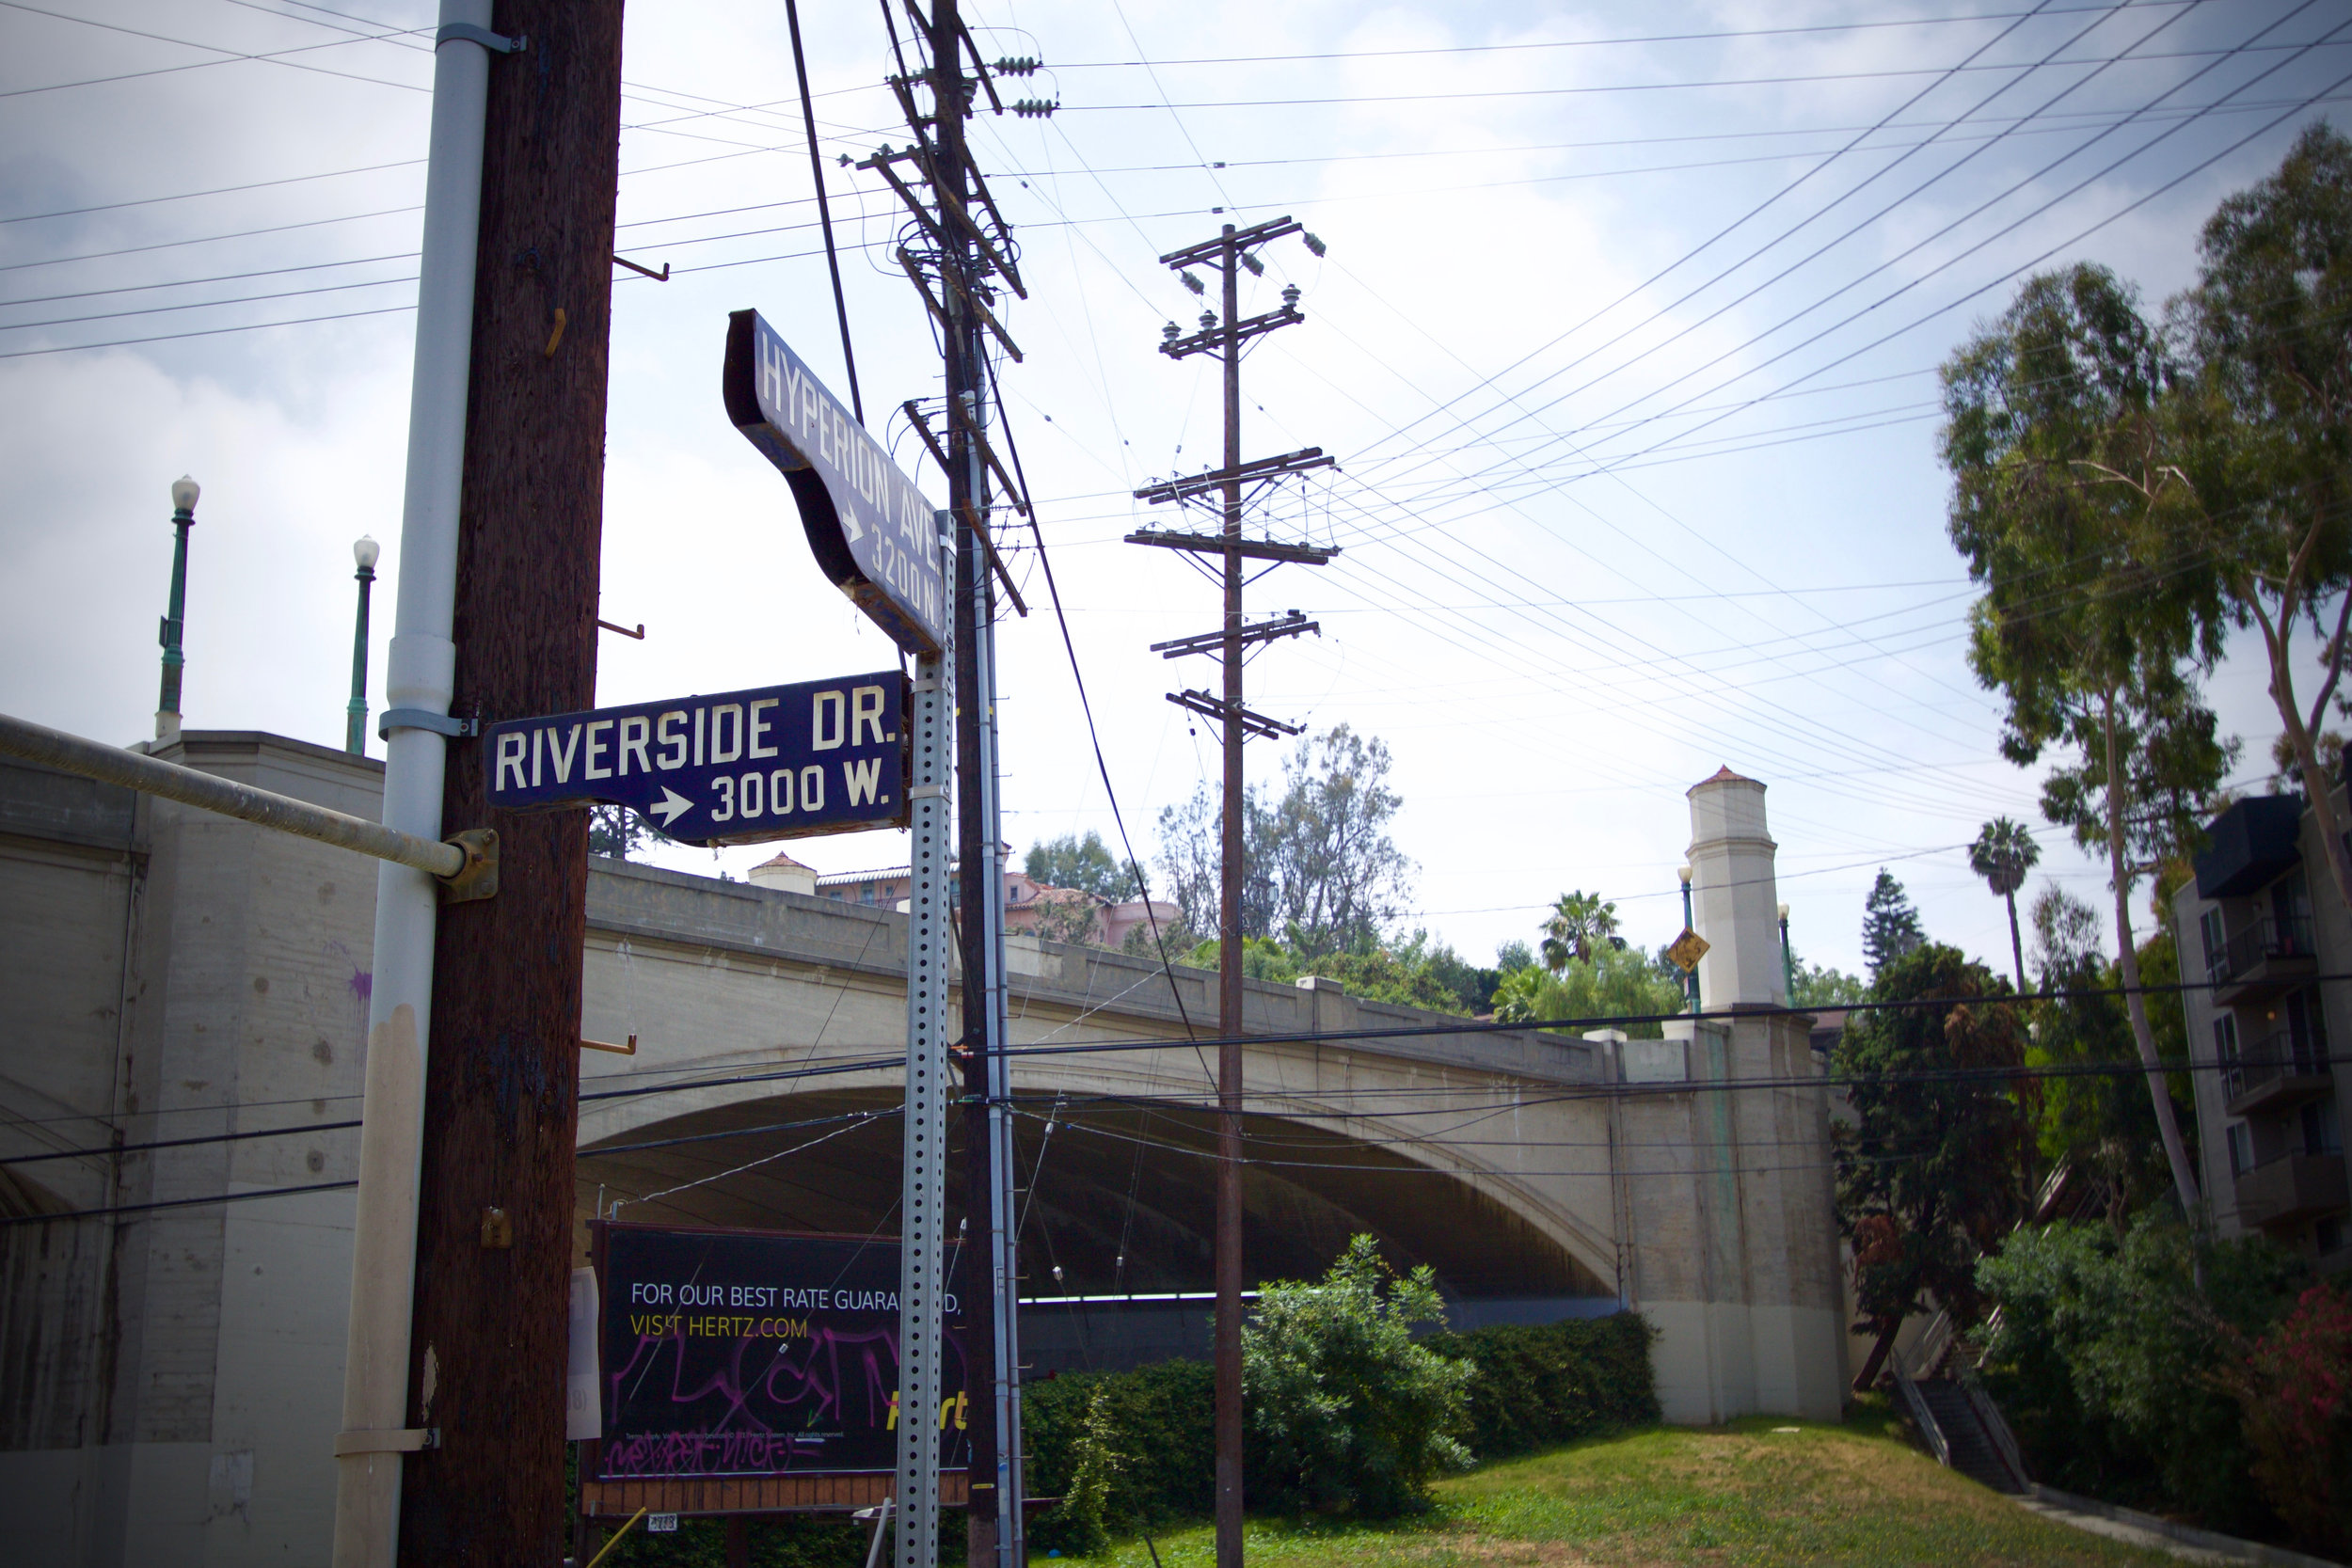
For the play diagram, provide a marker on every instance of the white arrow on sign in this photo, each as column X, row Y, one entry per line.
column 849, row 529
column 671, row 806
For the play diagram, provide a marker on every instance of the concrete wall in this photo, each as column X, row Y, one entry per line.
column 172, row 1386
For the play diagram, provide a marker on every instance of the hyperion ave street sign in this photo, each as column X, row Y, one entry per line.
column 872, row 531
column 739, row 768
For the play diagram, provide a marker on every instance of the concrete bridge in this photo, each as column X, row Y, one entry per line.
column 169, row 1377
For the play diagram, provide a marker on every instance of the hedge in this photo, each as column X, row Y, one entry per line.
column 1534, row 1386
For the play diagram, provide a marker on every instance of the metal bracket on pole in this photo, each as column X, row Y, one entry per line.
column 466, row 32
column 922, row 1228
column 450, row 724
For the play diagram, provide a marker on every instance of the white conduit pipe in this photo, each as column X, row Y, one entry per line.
column 419, row 675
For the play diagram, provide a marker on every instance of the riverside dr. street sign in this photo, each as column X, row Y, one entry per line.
column 870, row 528
column 738, row 768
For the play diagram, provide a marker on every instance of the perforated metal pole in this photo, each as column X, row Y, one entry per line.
column 922, row 1232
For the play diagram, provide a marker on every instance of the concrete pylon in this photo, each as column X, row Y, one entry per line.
column 1736, row 900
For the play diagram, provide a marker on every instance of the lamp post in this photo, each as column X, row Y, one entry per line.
column 1690, row 977
column 364, row 551
column 184, row 494
column 1788, row 963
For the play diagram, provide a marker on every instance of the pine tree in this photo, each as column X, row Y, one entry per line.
column 1890, row 926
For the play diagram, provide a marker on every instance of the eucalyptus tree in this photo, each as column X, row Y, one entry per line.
column 2261, row 425
column 2092, row 622
column 2002, row 855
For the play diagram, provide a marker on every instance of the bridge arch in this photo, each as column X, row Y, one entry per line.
column 1116, row 1195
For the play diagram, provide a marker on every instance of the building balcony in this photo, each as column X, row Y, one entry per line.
column 2279, row 1071
column 2291, row 1189
column 2267, row 958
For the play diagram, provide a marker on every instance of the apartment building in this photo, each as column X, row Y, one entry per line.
column 2262, row 925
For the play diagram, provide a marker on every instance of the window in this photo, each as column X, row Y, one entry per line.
column 2216, row 943
column 2241, row 1148
column 2225, row 1052
column 2322, row 1133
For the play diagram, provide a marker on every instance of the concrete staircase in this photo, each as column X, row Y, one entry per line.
column 1968, row 1442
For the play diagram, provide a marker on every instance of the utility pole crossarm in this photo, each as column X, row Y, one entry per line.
column 1240, row 239
column 1264, row 631
column 1265, row 467
column 1217, row 339
column 1251, row 550
column 1253, row 723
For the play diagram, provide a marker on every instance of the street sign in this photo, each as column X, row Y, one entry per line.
column 872, row 531
column 1687, row 950
column 738, row 768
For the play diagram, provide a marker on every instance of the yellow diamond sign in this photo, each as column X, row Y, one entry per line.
column 1688, row 949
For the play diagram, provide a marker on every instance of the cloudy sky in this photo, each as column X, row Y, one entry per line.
column 1624, row 340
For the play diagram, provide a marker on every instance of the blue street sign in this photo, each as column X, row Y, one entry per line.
column 738, row 768
column 870, row 528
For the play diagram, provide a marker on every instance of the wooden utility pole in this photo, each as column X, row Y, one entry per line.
column 494, row 1245
column 1224, row 335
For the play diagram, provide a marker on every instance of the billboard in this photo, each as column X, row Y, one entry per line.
column 758, row 1353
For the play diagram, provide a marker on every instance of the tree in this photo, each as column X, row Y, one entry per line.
column 2087, row 625
column 1084, row 863
column 1818, row 986
column 1346, row 1410
column 1073, row 920
column 1320, row 870
column 2100, row 1124
column 2263, row 421
column 1932, row 1172
column 1615, row 982
column 2002, row 855
column 1890, row 926
column 1579, row 923
column 619, row 833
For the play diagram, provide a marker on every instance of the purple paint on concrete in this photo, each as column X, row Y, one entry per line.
column 362, row 985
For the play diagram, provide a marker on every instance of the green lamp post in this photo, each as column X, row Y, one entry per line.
column 184, row 494
column 1788, row 963
column 1691, row 979
column 364, row 551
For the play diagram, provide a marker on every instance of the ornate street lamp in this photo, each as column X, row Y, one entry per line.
column 1690, row 976
column 184, row 494
column 364, row 551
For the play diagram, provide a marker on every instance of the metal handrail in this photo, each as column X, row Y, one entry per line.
column 2267, row 938
column 2280, row 1054
column 1996, row 1426
column 1916, row 1403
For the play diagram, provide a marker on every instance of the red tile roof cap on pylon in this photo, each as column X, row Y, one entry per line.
column 1723, row 775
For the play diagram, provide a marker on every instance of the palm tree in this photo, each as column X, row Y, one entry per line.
column 1579, row 921
column 2002, row 855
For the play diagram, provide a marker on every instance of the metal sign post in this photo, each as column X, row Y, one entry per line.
column 930, row 938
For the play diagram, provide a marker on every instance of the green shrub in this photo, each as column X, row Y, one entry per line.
column 1535, row 1387
column 1344, row 1411
column 2103, row 1355
column 1154, row 1428
column 1132, row 1452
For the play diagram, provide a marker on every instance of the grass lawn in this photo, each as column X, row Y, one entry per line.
column 1747, row 1493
